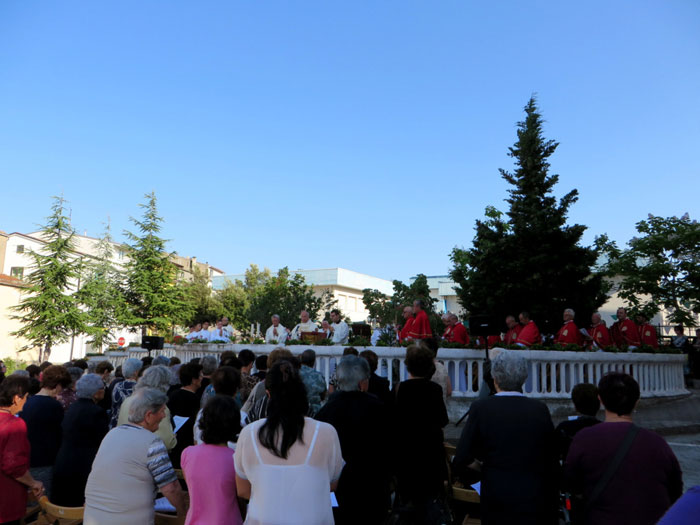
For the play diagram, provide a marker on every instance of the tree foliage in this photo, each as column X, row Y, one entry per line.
column 49, row 310
column 660, row 268
column 530, row 260
column 154, row 301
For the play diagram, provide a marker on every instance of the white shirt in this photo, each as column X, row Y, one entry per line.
column 204, row 334
column 192, row 335
column 281, row 336
column 215, row 336
column 341, row 332
column 308, row 326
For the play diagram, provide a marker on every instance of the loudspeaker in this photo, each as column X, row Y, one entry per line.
column 152, row 342
column 482, row 325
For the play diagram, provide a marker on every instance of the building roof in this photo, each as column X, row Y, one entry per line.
column 8, row 280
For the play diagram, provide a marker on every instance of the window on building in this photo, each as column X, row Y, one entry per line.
column 20, row 248
column 17, row 271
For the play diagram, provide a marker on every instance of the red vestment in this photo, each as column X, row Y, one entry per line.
column 420, row 329
column 511, row 336
column 625, row 333
column 529, row 335
column 447, row 334
column 600, row 335
column 459, row 334
column 493, row 340
column 569, row 335
column 647, row 335
column 403, row 334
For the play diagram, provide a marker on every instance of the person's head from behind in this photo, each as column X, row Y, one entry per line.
column 308, row 358
column 104, row 370
column 226, row 381
column 278, row 354
column 585, row 398
column 54, row 379
column 619, row 393
column 226, row 354
column 261, row 363
column 220, row 421
column 161, row 360
column 90, row 386
column 247, row 359
column 81, row 363
column 418, row 306
column 209, row 364
column 75, row 374
column 524, row 318
column 352, row 374
column 191, row 376
column 131, row 367
column 286, row 409
column 33, row 371
column 147, row 408
column 14, row 391
column 420, row 361
column 174, row 361
column 371, row 358
column 509, row 371
column 147, row 360
column 43, row 366
column 157, row 377
column 350, row 350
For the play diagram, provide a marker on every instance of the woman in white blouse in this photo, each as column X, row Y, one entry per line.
column 287, row 464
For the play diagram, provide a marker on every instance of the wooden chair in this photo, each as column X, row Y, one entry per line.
column 31, row 511
column 55, row 514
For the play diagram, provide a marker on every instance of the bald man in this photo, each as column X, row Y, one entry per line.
column 306, row 325
column 624, row 332
column 408, row 323
column 458, row 332
column 598, row 333
column 529, row 334
column 569, row 334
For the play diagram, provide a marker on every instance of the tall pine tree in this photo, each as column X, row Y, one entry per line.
column 531, row 260
column 49, row 310
column 154, row 301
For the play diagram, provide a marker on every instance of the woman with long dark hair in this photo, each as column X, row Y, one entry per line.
column 287, row 464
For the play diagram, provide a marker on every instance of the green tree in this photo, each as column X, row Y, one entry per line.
column 154, row 300
column 101, row 294
column 287, row 295
column 532, row 260
column 49, row 310
column 660, row 268
column 202, row 303
column 235, row 304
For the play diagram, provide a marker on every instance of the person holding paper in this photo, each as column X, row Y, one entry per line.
column 568, row 334
column 529, row 334
column 306, row 325
column 598, row 335
column 185, row 403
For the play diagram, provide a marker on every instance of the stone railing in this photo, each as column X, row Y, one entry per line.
column 552, row 375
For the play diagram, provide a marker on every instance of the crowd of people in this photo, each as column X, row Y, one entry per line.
column 264, row 439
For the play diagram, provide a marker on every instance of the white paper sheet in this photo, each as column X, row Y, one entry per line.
column 179, row 421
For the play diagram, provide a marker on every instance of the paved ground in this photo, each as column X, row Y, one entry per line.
column 677, row 420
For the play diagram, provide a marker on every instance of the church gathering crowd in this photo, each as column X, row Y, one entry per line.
column 265, row 439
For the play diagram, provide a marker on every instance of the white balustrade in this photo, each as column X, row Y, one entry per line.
column 552, row 374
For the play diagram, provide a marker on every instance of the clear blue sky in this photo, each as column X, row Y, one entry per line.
column 366, row 135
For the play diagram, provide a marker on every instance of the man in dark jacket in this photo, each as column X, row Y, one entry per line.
column 513, row 439
column 363, row 428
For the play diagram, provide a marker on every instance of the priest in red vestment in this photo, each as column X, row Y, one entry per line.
column 568, row 334
column 420, row 329
column 624, row 332
column 447, row 334
column 598, row 335
column 408, row 322
column 647, row 333
column 458, row 332
column 529, row 334
column 514, row 328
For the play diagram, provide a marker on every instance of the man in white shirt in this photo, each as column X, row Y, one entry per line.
column 227, row 327
column 194, row 332
column 306, row 325
column 219, row 333
column 204, row 332
column 339, row 329
column 276, row 334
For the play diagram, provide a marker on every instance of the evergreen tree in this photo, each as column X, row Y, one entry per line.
column 154, row 300
column 49, row 310
column 101, row 294
column 532, row 260
column 203, row 303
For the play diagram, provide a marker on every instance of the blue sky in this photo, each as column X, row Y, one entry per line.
column 366, row 135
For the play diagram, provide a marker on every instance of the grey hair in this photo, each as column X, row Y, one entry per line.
column 156, row 377
column 350, row 371
column 20, row 373
column 161, row 360
column 92, row 367
column 88, row 385
column 75, row 373
column 509, row 370
column 445, row 316
column 571, row 311
column 131, row 367
column 209, row 364
column 275, row 315
column 145, row 400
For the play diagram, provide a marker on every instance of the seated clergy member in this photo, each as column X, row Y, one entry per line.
column 276, row 334
column 131, row 464
column 204, row 333
column 402, row 332
column 647, row 333
column 514, row 328
column 219, row 333
column 598, row 335
column 447, row 334
column 529, row 334
column 420, row 329
column 339, row 328
column 624, row 332
column 458, row 333
column 568, row 334
column 306, row 325
column 513, row 438
column 194, row 332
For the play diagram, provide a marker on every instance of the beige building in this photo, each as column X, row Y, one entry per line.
column 10, row 294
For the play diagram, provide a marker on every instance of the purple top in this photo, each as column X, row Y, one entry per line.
column 644, row 487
